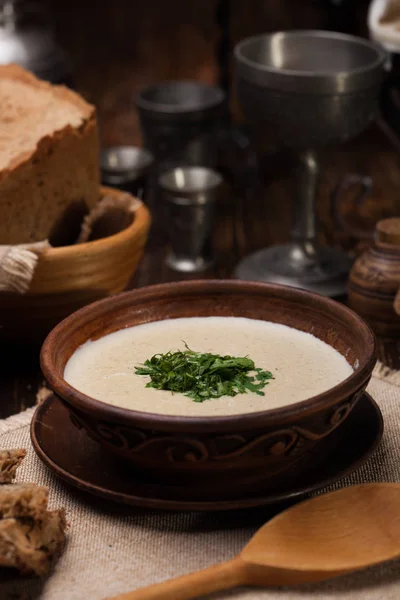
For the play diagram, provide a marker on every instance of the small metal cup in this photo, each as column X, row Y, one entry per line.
column 189, row 195
column 126, row 167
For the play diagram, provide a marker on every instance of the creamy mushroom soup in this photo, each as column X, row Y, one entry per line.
column 301, row 364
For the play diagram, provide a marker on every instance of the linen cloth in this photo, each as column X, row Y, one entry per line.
column 18, row 264
column 113, row 549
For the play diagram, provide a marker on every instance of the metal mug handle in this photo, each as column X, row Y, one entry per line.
column 340, row 222
column 390, row 100
column 396, row 303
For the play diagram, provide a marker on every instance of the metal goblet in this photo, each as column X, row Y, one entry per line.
column 313, row 88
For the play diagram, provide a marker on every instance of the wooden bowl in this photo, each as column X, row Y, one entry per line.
column 226, row 454
column 69, row 277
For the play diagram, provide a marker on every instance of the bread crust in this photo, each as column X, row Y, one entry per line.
column 31, row 536
column 18, row 73
column 39, row 185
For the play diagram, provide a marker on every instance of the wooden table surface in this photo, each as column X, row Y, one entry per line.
column 244, row 224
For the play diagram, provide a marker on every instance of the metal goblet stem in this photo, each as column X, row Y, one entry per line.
column 305, row 225
column 302, row 262
column 306, row 253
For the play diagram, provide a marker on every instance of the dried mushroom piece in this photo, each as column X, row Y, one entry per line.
column 9, row 462
column 30, row 535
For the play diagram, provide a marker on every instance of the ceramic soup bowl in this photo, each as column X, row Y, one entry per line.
column 229, row 453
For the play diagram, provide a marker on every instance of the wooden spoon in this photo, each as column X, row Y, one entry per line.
column 318, row 539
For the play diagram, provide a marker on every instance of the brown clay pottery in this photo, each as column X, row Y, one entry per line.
column 231, row 452
column 375, row 281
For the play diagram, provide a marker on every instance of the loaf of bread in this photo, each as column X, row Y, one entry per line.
column 49, row 158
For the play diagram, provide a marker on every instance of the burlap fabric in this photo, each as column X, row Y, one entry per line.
column 113, row 549
column 18, row 264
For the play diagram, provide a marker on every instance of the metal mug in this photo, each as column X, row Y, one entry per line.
column 189, row 195
column 127, row 168
column 180, row 121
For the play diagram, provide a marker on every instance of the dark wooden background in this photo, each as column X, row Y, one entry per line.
column 119, row 46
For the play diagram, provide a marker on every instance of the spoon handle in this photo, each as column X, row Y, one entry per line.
column 220, row 577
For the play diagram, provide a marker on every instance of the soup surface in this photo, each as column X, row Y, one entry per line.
column 302, row 365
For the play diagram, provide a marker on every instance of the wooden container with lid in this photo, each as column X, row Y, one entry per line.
column 374, row 284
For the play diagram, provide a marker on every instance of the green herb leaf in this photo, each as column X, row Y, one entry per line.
column 203, row 376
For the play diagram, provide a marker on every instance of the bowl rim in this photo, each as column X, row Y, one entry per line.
column 138, row 151
column 342, row 82
column 141, row 218
column 147, row 420
column 162, row 108
column 380, row 52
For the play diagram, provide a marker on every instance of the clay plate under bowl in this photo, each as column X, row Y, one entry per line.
column 84, row 464
column 233, row 453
